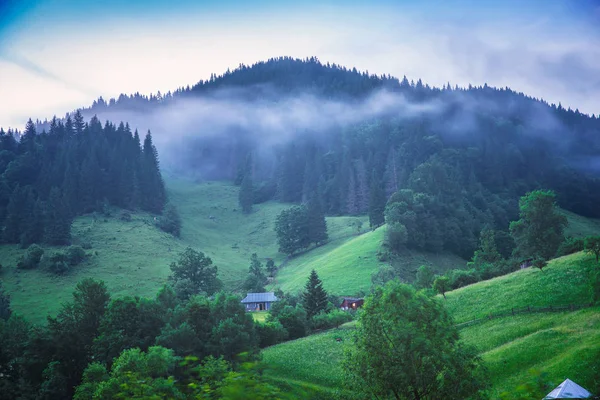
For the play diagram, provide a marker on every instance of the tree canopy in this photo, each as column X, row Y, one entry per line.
column 406, row 347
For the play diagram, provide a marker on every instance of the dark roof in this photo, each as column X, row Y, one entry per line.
column 351, row 299
column 260, row 297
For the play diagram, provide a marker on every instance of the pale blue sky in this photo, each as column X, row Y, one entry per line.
column 57, row 55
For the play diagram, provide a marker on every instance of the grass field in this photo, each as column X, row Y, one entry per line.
column 133, row 257
column 345, row 265
column 312, row 362
column 562, row 345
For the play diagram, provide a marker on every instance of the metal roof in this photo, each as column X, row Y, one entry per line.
column 260, row 297
column 568, row 390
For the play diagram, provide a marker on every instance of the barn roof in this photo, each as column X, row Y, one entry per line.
column 351, row 298
column 568, row 390
column 260, row 297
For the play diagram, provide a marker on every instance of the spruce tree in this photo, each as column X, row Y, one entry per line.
column 376, row 204
column 314, row 299
column 152, row 186
column 317, row 226
column 5, row 310
column 58, row 220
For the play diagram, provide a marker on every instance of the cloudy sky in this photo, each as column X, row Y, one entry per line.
column 58, row 55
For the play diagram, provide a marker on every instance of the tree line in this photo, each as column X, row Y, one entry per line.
column 47, row 178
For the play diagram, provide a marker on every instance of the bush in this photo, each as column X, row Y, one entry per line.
column 270, row 333
column 170, row 221
column 56, row 263
column 125, row 216
column 75, row 255
column 293, row 320
column 86, row 245
column 330, row 320
column 32, row 257
column 396, row 236
column 569, row 246
column 462, row 277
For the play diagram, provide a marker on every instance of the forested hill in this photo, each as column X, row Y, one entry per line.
column 47, row 178
column 298, row 128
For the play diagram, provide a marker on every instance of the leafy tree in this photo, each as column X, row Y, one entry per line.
column 127, row 323
column 170, row 221
column 196, row 271
column 424, row 277
column 592, row 245
column 406, row 346
column 32, row 257
column 271, row 267
column 293, row 232
column 539, row 263
column 395, row 236
column 73, row 331
column 246, row 195
column 317, row 226
column 540, row 230
column 441, row 284
column 314, row 298
column 256, row 280
column 293, row 319
column 5, row 310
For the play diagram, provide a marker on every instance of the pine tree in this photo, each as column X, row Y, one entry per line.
column 351, row 200
column 58, row 220
column 152, row 186
column 317, row 226
column 314, row 299
column 246, row 194
column 391, row 174
column 362, row 187
column 376, row 204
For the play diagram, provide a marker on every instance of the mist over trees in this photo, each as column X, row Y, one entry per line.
column 461, row 157
column 47, row 178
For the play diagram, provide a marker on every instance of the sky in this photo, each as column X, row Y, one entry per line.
column 59, row 55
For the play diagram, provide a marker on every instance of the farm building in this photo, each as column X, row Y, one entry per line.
column 351, row 303
column 568, row 390
column 259, row 301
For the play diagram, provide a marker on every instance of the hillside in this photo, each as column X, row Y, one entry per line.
column 346, row 265
column 133, row 257
column 564, row 344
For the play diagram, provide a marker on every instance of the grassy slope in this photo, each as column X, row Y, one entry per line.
column 560, row 344
column 133, row 258
column 312, row 363
column 345, row 266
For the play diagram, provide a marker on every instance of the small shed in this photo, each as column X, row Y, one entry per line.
column 259, row 301
column 351, row 303
column 568, row 390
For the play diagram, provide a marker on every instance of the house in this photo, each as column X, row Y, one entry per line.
column 259, row 301
column 568, row 390
column 351, row 303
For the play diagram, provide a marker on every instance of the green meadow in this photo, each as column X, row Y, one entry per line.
column 561, row 345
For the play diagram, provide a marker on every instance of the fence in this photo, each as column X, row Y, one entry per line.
column 525, row 310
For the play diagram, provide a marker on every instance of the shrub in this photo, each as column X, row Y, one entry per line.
column 32, row 257
column 569, row 246
column 125, row 216
column 270, row 333
column 75, row 255
column 395, row 236
column 463, row 277
column 293, row 320
column 170, row 221
column 57, row 263
column 330, row 320
column 86, row 245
